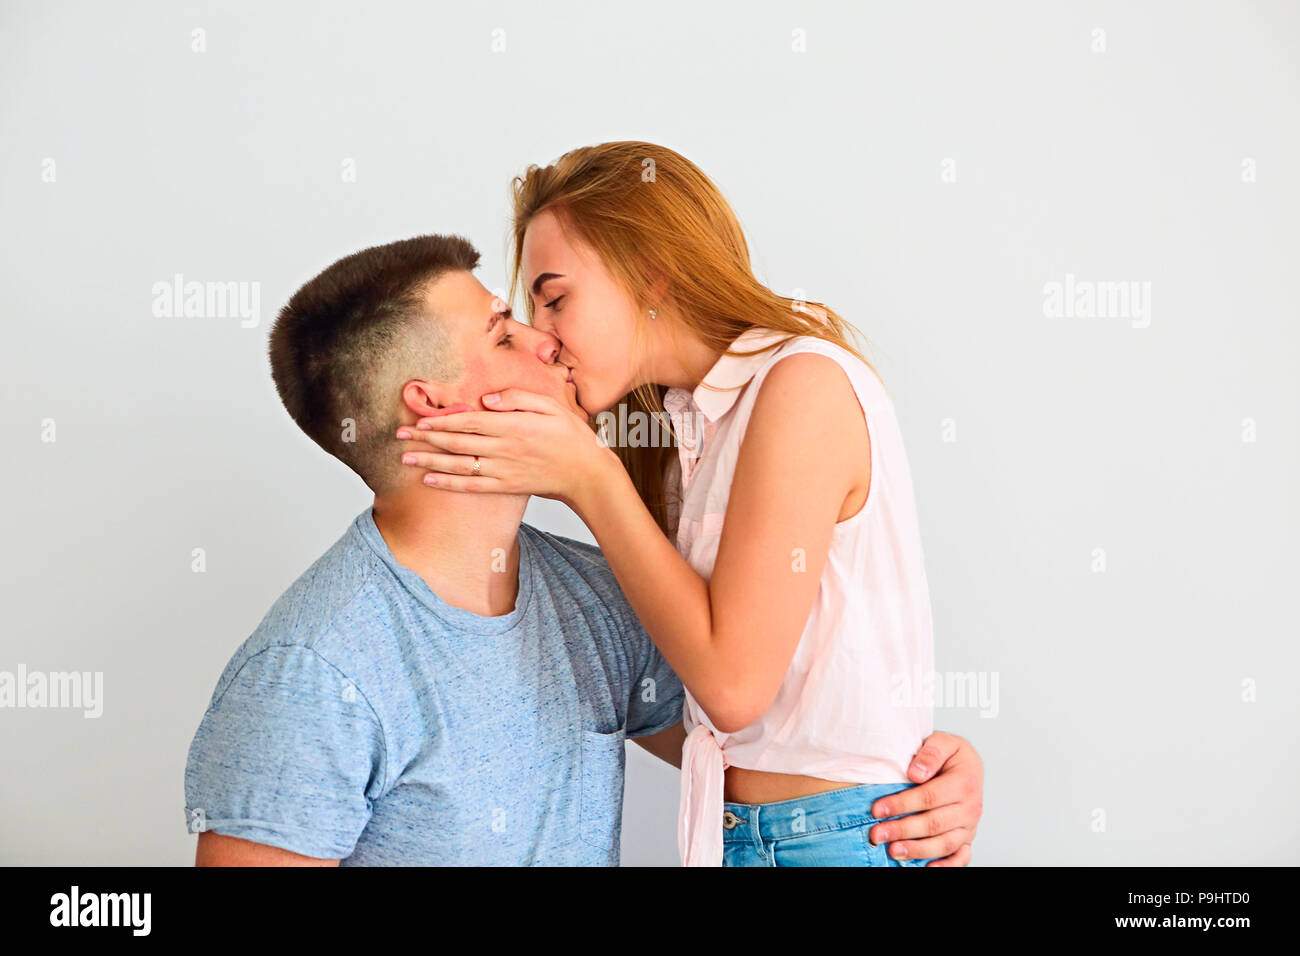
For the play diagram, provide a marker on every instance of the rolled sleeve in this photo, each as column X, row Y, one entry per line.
column 657, row 696
column 289, row 754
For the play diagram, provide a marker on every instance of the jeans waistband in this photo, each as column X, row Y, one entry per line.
column 832, row 810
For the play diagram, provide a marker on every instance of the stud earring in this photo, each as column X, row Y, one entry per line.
column 653, row 315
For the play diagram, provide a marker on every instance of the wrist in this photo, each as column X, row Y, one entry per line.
column 603, row 478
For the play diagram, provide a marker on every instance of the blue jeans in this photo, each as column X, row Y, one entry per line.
column 826, row 829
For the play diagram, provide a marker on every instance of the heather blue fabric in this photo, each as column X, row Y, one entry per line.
column 367, row 721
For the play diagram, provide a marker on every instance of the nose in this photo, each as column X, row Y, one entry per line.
column 548, row 348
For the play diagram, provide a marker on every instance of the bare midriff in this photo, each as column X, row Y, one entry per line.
column 761, row 786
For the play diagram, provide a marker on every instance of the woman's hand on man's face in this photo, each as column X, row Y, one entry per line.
column 525, row 444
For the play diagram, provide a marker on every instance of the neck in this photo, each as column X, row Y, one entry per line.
column 465, row 546
column 683, row 359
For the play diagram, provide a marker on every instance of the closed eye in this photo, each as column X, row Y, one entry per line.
column 506, row 339
column 552, row 303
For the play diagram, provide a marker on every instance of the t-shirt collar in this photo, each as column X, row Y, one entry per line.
column 456, row 617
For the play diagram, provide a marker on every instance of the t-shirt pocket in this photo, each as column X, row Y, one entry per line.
column 603, row 758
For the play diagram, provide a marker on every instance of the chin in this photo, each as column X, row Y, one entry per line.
column 593, row 412
column 594, row 408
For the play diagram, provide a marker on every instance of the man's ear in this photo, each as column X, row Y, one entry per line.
column 428, row 399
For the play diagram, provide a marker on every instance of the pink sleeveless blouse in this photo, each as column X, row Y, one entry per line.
column 850, row 707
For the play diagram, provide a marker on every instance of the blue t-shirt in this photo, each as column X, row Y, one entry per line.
column 365, row 720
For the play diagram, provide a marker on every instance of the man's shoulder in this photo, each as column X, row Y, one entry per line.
column 581, row 566
column 581, row 558
column 331, row 611
column 569, row 548
column 331, row 587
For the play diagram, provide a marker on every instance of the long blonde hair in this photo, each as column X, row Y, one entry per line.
column 650, row 213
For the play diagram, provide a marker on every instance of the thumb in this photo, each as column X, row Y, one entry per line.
column 935, row 751
column 518, row 400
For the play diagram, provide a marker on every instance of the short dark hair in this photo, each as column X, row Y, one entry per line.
column 352, row 336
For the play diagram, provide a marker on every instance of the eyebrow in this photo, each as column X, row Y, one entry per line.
column 495, row 317
column 543, row 279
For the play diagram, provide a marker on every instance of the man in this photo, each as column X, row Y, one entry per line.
column 445, row 685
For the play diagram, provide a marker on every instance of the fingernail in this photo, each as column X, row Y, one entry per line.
column 491, row 399
column 424, row 426
column 921, row 768
column 403, row 434
column 881, row 835
column 408, row 459
column 900, row 852
column 882, row 813
column 430, row 479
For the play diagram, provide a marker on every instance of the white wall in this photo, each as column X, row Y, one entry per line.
column 1119, row 692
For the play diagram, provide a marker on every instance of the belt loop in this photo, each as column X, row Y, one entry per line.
column 755, row 831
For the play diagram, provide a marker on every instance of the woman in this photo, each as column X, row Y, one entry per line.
column 795, row 600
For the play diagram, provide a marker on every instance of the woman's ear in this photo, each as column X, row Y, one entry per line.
column 659, row 290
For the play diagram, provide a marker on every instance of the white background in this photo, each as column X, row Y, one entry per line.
column 1126, row 732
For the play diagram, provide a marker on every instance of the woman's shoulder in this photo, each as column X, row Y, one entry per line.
column 860, row 374
column 808, row 405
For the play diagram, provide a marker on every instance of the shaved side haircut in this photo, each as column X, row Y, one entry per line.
column 350, row 338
